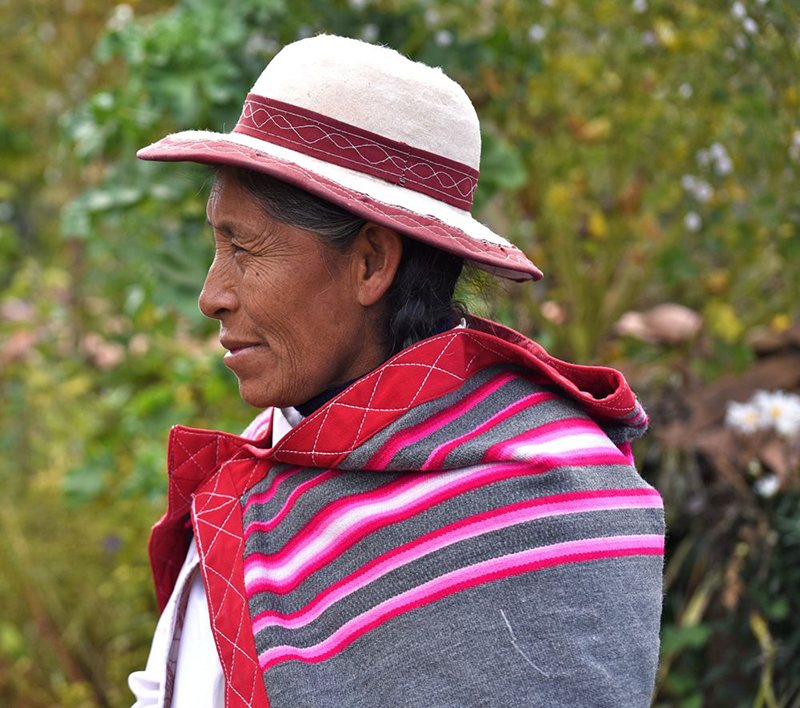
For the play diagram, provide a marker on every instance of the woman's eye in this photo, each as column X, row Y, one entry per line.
column 238, row 249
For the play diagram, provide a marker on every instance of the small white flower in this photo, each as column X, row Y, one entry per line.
column 724, row 166
column 444, row 38
column 649, row 38
column 536, row 33
column 122, row 14
column 639, row 6
column 259, row 43
column 767, row 486
column 685, row 90
column 743, row 417
column 779, row 410
column 46, row 32
column 718, row 151
column 692, row 221
column 369, row 33
column 688, row 182
column 358, row 4
column 739, row 10
column 703, row 191
column 432, row 16
column 789, row 424
column 750, row 25
column 740, row 42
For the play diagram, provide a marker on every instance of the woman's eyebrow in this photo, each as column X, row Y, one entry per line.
column 222, row 226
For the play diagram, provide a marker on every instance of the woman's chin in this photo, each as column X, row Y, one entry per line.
column 255, row 395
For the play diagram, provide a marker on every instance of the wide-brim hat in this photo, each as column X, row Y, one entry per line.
column 389, row 139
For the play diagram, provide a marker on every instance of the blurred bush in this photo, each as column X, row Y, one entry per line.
column 641, row 153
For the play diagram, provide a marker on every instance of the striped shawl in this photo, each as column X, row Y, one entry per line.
column 463, row 526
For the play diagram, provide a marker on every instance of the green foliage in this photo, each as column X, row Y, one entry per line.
column 639, row 153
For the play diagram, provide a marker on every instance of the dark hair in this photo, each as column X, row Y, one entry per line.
column 420, row 299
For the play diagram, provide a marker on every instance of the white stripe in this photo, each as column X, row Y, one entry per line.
column 564, row 443
column 338, row 525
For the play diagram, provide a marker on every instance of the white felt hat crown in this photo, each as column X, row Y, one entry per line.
column 389, row 139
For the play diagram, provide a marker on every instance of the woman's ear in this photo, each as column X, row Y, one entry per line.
column 376, row 256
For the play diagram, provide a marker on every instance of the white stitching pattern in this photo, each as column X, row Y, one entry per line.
column 466, row 196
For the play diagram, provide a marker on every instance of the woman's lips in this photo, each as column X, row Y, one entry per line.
column 238, row 351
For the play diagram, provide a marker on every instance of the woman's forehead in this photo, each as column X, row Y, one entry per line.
column 229, row 202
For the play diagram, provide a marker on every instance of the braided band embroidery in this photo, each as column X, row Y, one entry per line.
column 349, row 146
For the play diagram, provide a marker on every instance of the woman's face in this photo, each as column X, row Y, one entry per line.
column 288, row 311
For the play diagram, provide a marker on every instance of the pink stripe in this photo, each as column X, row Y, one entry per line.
column 438, row 456
column 626, row 450
column 269, row 524
column 416, row 432
column 269, row 492
column 479, row 524
column 462, row 579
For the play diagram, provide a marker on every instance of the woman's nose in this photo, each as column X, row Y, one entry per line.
column 219, row 294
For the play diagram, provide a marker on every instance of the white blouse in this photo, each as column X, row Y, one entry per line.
column 183, row 669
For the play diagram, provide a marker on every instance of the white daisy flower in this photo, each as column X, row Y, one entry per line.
column 640, row 6
column 444, row 38
column 743, row 417
column 718, row 151
column 370, row 32
column 739, row 10
column 703, row 191
column 536, row 33
column 432, row 16
column 724, row 166
column 692, row 221
column 767, row 486
column 750, row 25
column 779, row 410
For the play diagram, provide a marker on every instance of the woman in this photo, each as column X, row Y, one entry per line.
column 430, row 510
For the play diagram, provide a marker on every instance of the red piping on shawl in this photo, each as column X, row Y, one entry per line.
column 346, row 145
